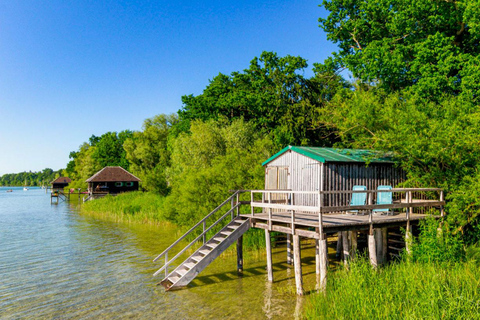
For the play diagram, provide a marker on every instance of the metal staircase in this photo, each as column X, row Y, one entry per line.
column 185, row 272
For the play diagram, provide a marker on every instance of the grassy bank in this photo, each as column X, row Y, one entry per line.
column 404, row 290
column 146, row 207
column 140, row 207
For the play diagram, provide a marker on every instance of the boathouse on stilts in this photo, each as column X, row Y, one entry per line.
column 58, row 186
column 314, row 193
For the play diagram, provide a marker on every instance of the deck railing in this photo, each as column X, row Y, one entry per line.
column 403, row 199
column 232, row 212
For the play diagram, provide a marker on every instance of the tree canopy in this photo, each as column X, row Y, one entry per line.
column 430, row 47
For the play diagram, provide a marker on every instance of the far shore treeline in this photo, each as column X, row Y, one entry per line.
column 40, row 178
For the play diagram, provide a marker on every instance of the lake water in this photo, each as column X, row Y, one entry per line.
column 56, row 263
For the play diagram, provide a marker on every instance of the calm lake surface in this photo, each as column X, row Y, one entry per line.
column 57, row 263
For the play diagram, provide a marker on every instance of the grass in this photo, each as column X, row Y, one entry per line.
column 142, row 207
column 404, row 290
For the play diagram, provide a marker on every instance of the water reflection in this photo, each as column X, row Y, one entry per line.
column 56, row 263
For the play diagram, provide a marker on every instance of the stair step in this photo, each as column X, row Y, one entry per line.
column 173, row 279
column 182, row 272
column 219, row 239
column 197, row 258
column 212, row 245
column 205, row 251
column 227, row 233
column 189, row 265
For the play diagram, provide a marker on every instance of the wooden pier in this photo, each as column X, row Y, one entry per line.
column 276, row 210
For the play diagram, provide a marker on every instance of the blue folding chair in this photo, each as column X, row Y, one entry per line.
column 358, row 198
column 384, row 198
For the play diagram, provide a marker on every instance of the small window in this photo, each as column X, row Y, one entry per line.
column 118, row 184
column 129, row 184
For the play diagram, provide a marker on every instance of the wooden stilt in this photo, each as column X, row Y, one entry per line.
column 240, row 255
column 323, row 264
column 289, row 249
column 269, row 256
column 318, row 256
column 339, row 245
column 372, row 250
column 346, row 247
column 381, row 249
column 298, row 264
column 353, row 242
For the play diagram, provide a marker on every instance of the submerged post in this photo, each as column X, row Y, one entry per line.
column 298, row 264
column 269, row 255
column 289, row 249
column 240, row 254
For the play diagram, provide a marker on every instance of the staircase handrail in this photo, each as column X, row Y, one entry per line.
column 167, row 263
column 196, row 225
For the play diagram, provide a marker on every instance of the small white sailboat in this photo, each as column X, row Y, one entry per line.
column 25, row 186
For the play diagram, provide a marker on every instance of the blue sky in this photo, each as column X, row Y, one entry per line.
column 70, row 69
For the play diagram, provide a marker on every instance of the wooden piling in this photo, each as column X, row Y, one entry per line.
column 339, row 245
column 297, row 261
column 289, row 249
column 240, row 254
column 381, row 245
column 323, row 264
column 372, row 250
column 269, row 255
column 346, row 247
column 353, row 243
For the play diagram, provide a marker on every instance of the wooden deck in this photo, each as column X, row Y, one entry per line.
column 281, row 221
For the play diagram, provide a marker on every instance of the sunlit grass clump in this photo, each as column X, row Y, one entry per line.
column 142, row 207
column 405, row 290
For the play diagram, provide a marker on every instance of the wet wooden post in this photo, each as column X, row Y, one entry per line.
column 297, row 261
column 289, row 249
column 353, row 243
column 321, row 249
column 346, row 248
column 339, row 245
column 240, row 254
column 269, row 255
column 381, row 245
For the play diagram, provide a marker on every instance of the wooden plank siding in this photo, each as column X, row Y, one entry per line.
column 307, row 174
column 343, row 176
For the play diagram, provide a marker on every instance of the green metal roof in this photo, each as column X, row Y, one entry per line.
column 337, row 155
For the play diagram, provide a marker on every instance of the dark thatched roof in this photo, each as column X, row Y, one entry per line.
column 62, row 180
column 112, row 174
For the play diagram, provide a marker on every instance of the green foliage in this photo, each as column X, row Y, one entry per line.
column 273, row 95
column 213, row 159
column 148, row 154
column 435, row 142
column 430, row 47
column 399, row 291
column 44, row 177
column 99, row 152
column 436, row 243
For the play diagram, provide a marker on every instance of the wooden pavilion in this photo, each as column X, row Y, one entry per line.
column 112, row 180
column 60, row 183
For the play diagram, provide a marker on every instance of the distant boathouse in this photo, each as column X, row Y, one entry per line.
column 111, row 180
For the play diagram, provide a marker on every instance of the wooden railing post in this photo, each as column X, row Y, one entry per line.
column 408, row 231
column 269, row 200
column 251, row 202
column 204, row 235
column 442, row 198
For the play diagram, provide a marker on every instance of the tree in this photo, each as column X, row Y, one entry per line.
column 148, row 154
column 272, row 94
column 428, row 46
